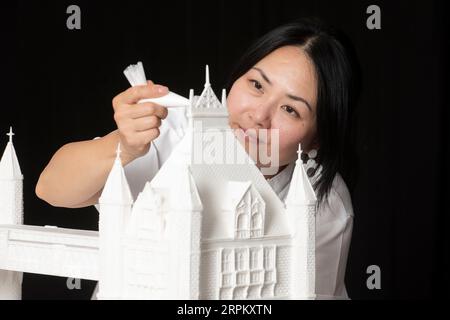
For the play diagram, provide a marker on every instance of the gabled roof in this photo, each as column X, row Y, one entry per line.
column 237, row 191
column 185, row 193
column 148, row 198
column 212, row 181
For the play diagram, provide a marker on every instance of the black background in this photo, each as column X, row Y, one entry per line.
column 57, row 86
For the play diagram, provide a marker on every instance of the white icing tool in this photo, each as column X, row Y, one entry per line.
column 136, row 76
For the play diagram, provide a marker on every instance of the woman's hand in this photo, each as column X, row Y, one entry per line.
column 138, row 124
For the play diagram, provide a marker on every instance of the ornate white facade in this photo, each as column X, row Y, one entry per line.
column 196, row 231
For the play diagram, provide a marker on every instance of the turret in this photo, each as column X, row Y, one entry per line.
column 115, row 208
column 11, row 212
column 186, row 219
column 301, row 210
column 11, row 186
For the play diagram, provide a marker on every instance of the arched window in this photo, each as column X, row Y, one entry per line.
column 242, row 226
column 269, row 262
column 240, row 259
column 255, row 259
column 256, row 221
column 242, row 222
column 226, row 261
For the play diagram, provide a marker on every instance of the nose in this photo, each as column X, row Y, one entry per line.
column 261, row 116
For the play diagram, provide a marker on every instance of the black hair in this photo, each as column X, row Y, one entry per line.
column 337, row 75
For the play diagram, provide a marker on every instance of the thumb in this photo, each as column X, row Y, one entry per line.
column 137, row 93
column 157, row 90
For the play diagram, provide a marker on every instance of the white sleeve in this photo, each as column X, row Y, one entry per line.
column 143, row 169
column 139, row 171
column 334, row 225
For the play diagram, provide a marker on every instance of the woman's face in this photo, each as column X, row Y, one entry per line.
column 278, row 93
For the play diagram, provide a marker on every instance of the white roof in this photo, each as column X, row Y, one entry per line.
column 236, row 191
column 212, row 181
column 148, row 198
column 185, row 196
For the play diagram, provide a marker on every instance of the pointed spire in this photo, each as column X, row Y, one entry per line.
column 9, row 164
column 301, row 192
column 116, row 190
column 224, row 98
column 185, row 193
column 207, row 83
column 208, row 99
column 149, row 198
column 191, row 98
column 10, row 134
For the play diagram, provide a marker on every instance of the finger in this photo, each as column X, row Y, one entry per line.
column 149, row 91
column 134, row 94
column 146, row 109
column 147, row 136
column 146, row 123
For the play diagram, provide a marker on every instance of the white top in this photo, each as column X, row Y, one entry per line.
column 334, row 219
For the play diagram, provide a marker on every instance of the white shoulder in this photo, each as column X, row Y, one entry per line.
column 334, row 225
column 338, row 202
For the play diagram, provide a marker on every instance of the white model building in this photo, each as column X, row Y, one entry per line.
column 196, row 231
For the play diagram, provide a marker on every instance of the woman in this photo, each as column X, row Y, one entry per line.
column 297, row 79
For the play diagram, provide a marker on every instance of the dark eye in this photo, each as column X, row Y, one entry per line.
column 256, row 84
column 291, row 111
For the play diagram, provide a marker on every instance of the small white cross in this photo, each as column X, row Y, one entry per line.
column 118, row 151
column 10, row 134
column 299, row 151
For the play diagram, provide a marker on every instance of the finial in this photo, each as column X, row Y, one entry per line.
column 299, row 152
column 224, row 98
column 191, row 97
column 207, row 83
column 10, row 134
column 118, row 151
